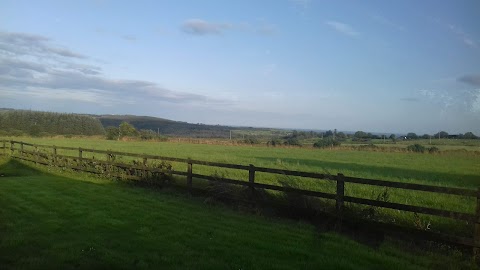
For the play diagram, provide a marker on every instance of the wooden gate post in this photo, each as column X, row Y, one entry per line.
column 251, row 179
column 189, row 175
column 339, row 199
column 476, row 231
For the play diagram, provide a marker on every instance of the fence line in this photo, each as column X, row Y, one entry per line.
column 340, row 180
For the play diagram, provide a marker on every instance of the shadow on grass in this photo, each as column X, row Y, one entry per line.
column 15, row 168
column 437, row 178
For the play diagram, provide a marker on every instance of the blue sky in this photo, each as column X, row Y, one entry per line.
column 381, row 66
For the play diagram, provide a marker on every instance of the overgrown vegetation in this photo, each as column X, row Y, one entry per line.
column 329, row 142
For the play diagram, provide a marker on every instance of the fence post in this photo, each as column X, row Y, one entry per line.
column 54, row 155
column 339, row 199
column 189, row 175
column 145, row 174
column 476, row 231
column 251, row 179
column 80, row 157
column 36, row 157
column 107, row 166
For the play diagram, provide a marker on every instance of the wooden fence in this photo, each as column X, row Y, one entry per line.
column 16, row 149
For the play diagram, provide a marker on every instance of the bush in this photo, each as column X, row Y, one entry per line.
column 329, row 142
column 293, row 141
column 251, row 140
column 274, row 142
column 433, row 150
column 417, row 148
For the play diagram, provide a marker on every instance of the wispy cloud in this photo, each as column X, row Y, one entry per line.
column 30, row 65
column 471, row 79
column 202, row 27
column 301, row 6
column 34, row 45
column 387, row 22
column 343, row 28
column 459, row 100
column 462, row 36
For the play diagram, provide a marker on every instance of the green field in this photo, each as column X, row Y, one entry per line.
column 75, row 221
column 453, row 169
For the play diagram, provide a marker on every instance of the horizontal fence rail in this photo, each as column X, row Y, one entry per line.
column 77, row 162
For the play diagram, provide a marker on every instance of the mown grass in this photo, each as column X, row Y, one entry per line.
column 58, row 222
column 454, row 169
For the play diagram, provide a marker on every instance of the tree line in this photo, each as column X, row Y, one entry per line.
column 34, row 123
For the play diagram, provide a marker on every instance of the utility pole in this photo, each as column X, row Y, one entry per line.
column 230, row 135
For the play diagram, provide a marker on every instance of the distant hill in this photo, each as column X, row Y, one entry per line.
column 26, row 122
column 168, row 127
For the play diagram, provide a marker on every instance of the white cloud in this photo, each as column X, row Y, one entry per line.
column 343, row 28
column 31, row 65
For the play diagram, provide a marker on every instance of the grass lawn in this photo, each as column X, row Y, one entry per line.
column 454, row 169
column 76, row 221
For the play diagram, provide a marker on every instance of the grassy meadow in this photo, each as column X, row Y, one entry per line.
column 452, row 169
column 76, row 221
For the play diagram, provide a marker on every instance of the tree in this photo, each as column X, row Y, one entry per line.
column 412, row 136
column 127, row 129
column 425, row 136
column 361, row 135
column 469, row 135
column 329, row 133
column 441, row 134
column 328, row 142
column 341, row 136
column 112, row 133
column 147, row 134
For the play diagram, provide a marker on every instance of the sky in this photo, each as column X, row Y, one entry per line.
column 377, row 66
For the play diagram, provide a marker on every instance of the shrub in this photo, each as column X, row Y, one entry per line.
column 329, row 142
column 274, row 142
column 293, row 141
column 433, row 150
column 417, row 148
column 251, row 140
